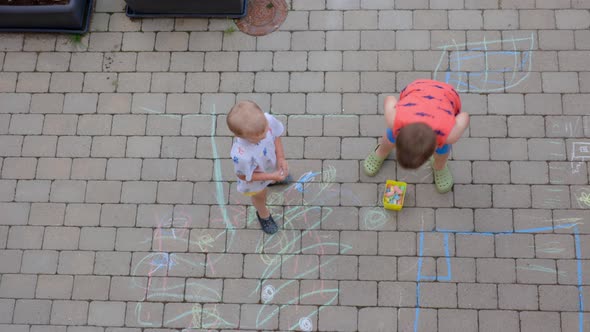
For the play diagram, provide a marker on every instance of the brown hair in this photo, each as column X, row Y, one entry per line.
column 246, row 118
column 415, row 143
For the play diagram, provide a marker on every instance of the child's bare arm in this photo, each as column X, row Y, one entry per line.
column 281, row 162
column 461, row 123
column 275, row 176
column 389, row 110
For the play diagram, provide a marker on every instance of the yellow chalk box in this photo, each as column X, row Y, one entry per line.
column 393, row 197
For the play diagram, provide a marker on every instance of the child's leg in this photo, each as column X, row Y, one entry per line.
column 267, row 223
column 259, row 202
column 443, row 178
column 372, row 164
column 441, row 156
column 385, row 147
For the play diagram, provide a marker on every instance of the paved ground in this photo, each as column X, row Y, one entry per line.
column 118, row 209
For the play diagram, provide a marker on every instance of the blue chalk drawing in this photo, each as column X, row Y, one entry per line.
column 420, row 277
column 464, row 80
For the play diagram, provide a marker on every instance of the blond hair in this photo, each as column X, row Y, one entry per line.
column 246, row 119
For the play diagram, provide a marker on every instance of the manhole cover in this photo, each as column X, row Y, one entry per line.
column 263, row 17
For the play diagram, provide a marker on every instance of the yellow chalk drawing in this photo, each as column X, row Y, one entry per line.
column 584, row 199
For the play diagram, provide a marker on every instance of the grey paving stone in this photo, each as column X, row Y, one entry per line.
column 477, row 296
column 123, row 169
column 526, row 126
column 88, row 169
column 19, row 168
column 272, row 82
column 520, row 297
column 474, row 245
column 438, row 295
column 69, row 312
column 326, row 20
column 532, row 321
column 153, row 61
column 24, row 61
column 496, row 320
column 338, row 318
column 11, row 145
column 53, row 168
column 278, row 41
column 39, row 261
column 15, row 285
column 548, row 197
column 338, row 267
column 7, row 190
column 558, row 82
column 223, row 265
column 16, row 213
column 67, row 146
column 529, row 172
column 15, row 327
column 91, row 288
column 7, row 306
column 452, row 320
column 112, row 263
column 26, row 124
column 47, row 214
column 249, row 312
column 454, row 219
column 358, row 293
column 3, row 236
column 377, row 268
column 465, row 196
column 106, row 313
column 342, row 40
column 377, row 81
column 32, row 312
column 61, row 238
column 33, row 82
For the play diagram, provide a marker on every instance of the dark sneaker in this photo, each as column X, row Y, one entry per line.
column 287, row 180
column 269, row 226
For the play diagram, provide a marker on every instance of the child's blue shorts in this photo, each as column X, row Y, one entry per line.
column 442, row 150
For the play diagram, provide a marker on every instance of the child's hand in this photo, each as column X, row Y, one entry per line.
column 283, row 166
column 278, row 176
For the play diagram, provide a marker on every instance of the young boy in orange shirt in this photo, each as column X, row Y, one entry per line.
column 422, row 125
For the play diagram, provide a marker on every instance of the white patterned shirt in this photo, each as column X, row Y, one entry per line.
column 252, row 158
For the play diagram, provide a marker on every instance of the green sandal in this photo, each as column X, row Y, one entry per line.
column 372, row 164
column 443, row 179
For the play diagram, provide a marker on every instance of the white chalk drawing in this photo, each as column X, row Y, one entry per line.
column 268, row 293
column 463, row 57
column 305, row 324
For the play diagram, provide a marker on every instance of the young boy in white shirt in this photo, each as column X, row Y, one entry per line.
column 258, row 156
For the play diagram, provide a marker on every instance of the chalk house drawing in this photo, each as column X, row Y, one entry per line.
column 479, row 67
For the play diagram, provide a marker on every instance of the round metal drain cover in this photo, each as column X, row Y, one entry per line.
column 263, row 17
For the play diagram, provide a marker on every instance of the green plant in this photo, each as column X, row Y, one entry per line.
column 77, row 41
column 231, row 28
column 270, row 5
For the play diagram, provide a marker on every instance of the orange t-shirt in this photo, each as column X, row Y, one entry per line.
column 431, row 102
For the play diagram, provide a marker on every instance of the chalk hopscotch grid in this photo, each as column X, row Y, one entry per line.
column 420, row 278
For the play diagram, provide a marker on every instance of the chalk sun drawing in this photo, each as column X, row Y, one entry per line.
column 491, row 78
